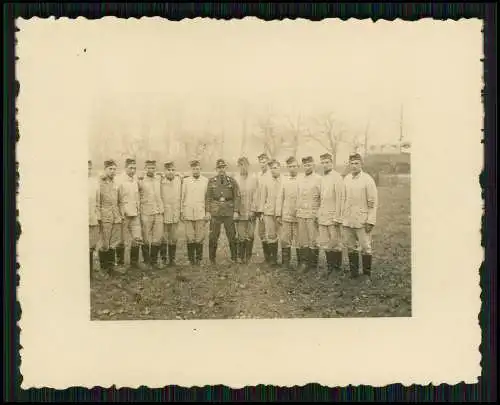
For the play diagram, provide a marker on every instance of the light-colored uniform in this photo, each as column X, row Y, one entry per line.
column 286, row 208
column 359, row 208
column 261, row 181
column 308, row 201
column 171, row 197
column 110, row 214
column 151, row 210
column 129, row 203
column 193, row 208
column 268, row 196
column 330, row 211
column 94, row 211
column 245, row 226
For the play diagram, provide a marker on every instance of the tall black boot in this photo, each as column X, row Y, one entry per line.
column 155, row 249
column 337, row 260
column 91, row 261
column 242, row 247
column 134, row 256
column 233, row 248
column 111, row 259
column 190, row 251
column 265, row 251
column 120, row 254
column 146, row 254
column 314, row 258
column 102, row 260
column 199, row 252
column 248, row 250
column 212, row 250
column 329, row 260
column 163, row 253
column 273, row 252
column 367, row 264
column 354, row 264
column 285, row 256
column 172, row 250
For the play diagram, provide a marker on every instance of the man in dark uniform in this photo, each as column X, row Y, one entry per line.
column 222, row 202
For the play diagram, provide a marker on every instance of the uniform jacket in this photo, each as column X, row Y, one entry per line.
column 193, row 198
column 286, row 204
column 223, row 196
column 94, row 201
column 171, row 196
column 308, row 195
column 110, row 212
column 150, row 195
column 269, row 195
column 332, row 196
column 128, row 196
column 248, row 188
column 360, row 200
column 261, row 181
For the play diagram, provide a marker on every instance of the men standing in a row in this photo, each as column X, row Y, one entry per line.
column 269, row 192
column 94, row 196
column 151, row 213
column 222, row 204
column 129, row 204
column 193, row 212
column 245, row 226
column 330, row 214
column 308, row 202
column 171, row 187
column 262, row 177
column 286, row 211
column 111, row 219
column 359, row 215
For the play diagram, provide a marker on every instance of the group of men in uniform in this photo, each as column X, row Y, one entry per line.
column 304, row 213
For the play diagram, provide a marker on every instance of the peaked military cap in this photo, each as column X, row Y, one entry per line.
column 220, row 163
column 307, row 159
column 355, row 156
column 263, row 156
column 150, row 162
column 129, row 161
column 194, row 162
column 243, row 161
column 326, row 156
column 109, row 162
column 274, row 162
column 290, row 160
column 168, row 164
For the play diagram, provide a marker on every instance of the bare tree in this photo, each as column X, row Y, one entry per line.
column 328, row 132
column 267, row 134
column 296, row 129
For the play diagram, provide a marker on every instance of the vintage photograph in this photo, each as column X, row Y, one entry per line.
column 254, row 189
column 237, row 178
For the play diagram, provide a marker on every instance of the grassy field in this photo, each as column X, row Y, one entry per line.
column 231, row 290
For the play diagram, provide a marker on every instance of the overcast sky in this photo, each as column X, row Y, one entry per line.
column 363, row 71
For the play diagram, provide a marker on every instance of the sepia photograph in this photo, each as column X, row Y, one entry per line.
column 241, row 193
column 255, row 190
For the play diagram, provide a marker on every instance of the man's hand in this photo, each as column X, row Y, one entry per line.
column 236, row 215
column 208, row 217
column 251, row 217
column 368, row 227
column 278, row 219
column 338, row 224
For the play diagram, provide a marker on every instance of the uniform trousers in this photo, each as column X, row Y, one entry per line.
column 245, row 229
column 289, row 232
column 131, row 230
column 307, row 233
column 271, row 229
column 329, row 237
column 170, row 233
column 152, row 229
column 229, row 227
column 357, row 239
column 195, row 230
column 111, row 235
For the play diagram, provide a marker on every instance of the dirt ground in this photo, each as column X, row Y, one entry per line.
column 255, row 290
